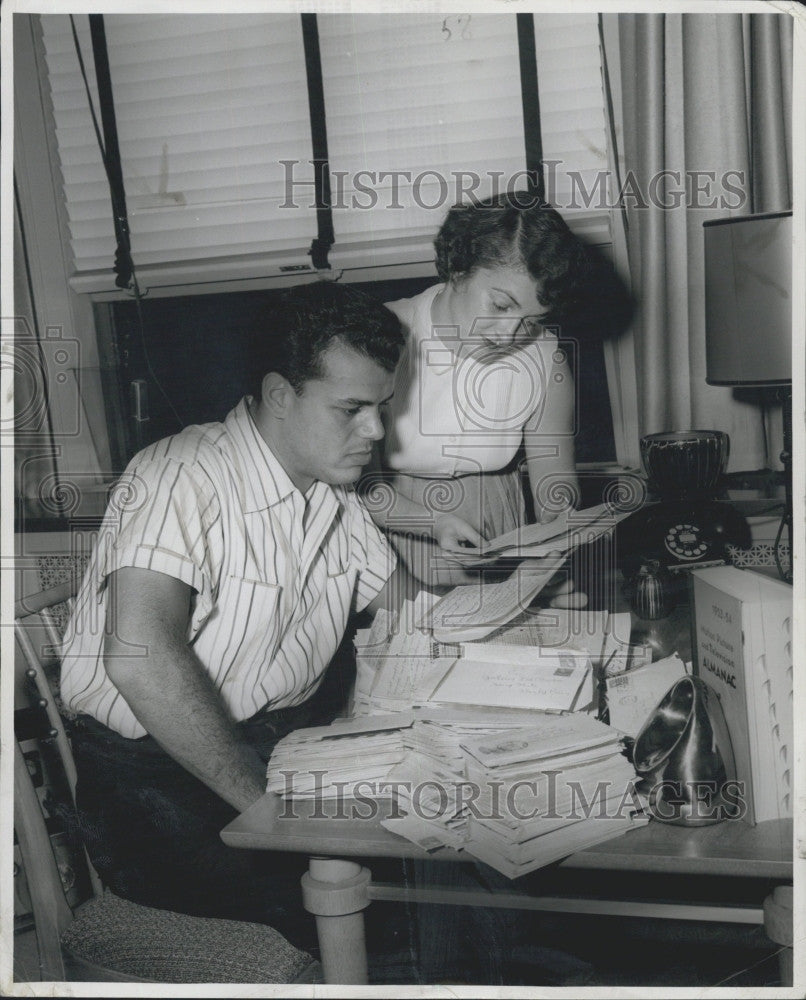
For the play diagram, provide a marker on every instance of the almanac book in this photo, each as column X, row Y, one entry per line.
column 743, row 650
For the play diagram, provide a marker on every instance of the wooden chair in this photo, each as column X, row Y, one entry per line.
column 106, row 938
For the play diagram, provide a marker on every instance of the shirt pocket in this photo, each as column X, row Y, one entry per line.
column 337, row 553
column 339, row 602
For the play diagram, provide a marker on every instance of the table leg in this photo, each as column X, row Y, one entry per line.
column 335, row 891
column 778, row 912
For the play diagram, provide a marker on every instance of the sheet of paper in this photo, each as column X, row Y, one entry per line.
column 408, row 659
column 430, row 836
column 474, row 610
column 577, row 535
column 518, row 656
column 375, row 706
column 553, row 683
column 537, row 541
column 377, row 637
column 534, row 534
column 550, row 629
column 354, row 727
column 619, row 625
column 561, row 533
column 394, row 660
column 474, row 715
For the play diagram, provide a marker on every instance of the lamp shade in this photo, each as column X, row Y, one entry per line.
column 748, row 300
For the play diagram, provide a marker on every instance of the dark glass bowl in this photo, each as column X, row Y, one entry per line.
column 678, row 463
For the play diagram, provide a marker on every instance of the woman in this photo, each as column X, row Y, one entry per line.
column 482, row 386
column 482, row 390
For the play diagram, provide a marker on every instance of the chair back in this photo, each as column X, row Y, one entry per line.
column 43, row 757
column 100, row 943
column 38, row 639
column 52, row 914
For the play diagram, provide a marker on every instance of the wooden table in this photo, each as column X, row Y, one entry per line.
column 337, row 889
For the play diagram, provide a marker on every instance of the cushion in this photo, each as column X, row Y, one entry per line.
column 166, row 947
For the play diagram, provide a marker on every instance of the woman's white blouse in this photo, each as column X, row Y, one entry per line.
column 452, row 416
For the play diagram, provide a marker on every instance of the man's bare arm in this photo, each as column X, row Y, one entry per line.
column 168, row 690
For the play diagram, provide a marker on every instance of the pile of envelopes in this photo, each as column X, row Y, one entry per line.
column 543, row 661
column 548, row 790
column 429, row 782
column 473, row 714
column 514, row 789
column 326, row 762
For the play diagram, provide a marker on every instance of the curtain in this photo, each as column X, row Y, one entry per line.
column 706, row 104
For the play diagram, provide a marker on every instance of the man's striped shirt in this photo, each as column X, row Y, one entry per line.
column 274, row 573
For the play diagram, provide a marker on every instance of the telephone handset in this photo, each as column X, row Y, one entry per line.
column 680, row 533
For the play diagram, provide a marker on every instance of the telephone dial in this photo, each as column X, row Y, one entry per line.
column 680, row 533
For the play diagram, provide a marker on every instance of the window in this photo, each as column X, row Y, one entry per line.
column 215, row 134
column 215, row 137
column 206, row 106
column 572, row 121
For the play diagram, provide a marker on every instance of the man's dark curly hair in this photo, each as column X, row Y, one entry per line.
column 519, row 230
column 309, row 318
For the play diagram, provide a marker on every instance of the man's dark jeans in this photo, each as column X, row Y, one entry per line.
column 152, row 830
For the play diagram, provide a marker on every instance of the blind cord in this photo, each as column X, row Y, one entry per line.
column 120, row 216
column 325, row 237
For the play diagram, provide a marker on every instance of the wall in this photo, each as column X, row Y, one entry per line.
column 61, row 319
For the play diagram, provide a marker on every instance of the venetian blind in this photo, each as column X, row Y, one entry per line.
column 420, row 108
column 572, row 121
column 207, row 106
column 428, row 107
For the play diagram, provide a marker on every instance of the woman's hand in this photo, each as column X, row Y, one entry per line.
column 455, row 535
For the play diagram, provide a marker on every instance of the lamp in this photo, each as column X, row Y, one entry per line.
column 748, row 319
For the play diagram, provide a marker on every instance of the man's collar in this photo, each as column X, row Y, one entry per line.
column 264, row 482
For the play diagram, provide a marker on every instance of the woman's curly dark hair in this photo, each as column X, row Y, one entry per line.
column 518, row 229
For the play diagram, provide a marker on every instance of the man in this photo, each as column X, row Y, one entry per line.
column 218, row 594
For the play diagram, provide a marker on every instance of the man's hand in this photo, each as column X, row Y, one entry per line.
column 562, row 593
column 168, row 689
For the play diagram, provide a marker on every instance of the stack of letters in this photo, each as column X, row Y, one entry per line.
column 428, row 785
column 515, row 789
column 548, row 790
column 543, row 660
column 325, row 762
column 473, row 715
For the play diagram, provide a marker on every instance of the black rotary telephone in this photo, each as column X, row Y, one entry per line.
column 680, row 533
